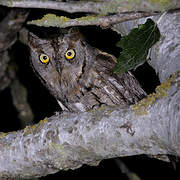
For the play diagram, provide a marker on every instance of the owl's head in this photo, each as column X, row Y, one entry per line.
column 61, row 62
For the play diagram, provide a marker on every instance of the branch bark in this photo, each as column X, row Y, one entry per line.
column 98, row 7
column 9, row 28
column 67, row 141
column 51, row 20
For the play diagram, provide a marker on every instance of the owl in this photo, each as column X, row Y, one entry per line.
column 80, row 76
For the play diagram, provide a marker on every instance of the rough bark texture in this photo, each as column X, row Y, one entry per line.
column 66, row 141
column 9, row 27
column 98, row 7
column 165, row 55
column 51, row 20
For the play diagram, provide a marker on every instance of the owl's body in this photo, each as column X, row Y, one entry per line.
column 87, row 80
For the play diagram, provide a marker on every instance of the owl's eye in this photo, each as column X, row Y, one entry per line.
column 70, row 54
column 44, row 58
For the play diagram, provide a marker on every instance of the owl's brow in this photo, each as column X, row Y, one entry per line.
column 38, row 47
column 34, row 42
column 71, row 44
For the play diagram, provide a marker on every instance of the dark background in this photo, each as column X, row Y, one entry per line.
column 44, row 105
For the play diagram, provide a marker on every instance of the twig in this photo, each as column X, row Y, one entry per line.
column 19, row 97
column 5, row 79
column 122, row 166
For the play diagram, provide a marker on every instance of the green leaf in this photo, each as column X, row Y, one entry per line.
column 135, row 46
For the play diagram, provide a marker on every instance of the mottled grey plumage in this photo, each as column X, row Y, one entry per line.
column 86, row 81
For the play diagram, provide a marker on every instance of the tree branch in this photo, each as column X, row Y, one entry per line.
column 69, row 140
column 99, row 7
column 51, row 20
column 161, row 59
column 70, row 7
column 19, row 98
column 5, row 79
column 9, row 27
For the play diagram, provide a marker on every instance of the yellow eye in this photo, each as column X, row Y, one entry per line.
column 70, row 54
column 44, row 58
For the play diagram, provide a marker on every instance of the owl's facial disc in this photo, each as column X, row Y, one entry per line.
column 62, row 63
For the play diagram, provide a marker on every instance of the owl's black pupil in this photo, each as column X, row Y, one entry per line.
column 69, row 53
column 44, row 57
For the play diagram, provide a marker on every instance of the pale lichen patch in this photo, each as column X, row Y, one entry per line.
column 2, row 135
column 160, row 92
column 87, row 18
column 33, row 128
column 43, row 121
column 110, row 7
column 29, row 129
column 50, row 20
column 58, row 149
column 162, row 4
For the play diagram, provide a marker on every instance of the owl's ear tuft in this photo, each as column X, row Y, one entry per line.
column 34, row 40
column 73, row 30
column 74, row 33
column 32, row 36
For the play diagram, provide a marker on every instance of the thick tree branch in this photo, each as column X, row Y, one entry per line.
column 51, row 20
column 99, row 7
column 66, row 141
column 165, row 55
column 70, row 7
column 9, row 27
